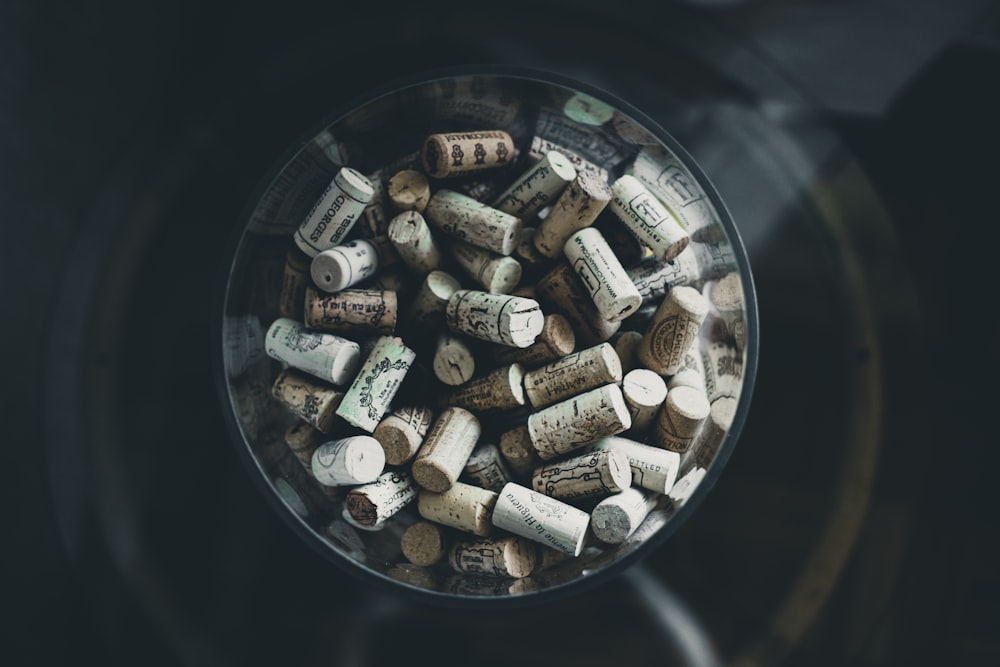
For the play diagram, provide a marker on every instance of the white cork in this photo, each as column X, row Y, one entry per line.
column 500, row 389
column 344, row 265
column 588, row 476
column 408, row 190
column 501, row 557
column 673, row 330
column 373, row 503
column 446, row 155
column 647, row 218
column 645, row 392
column 616, row 517
column 496, row 318
column 569, row 424
column 349, row 461
column 602, row 275
column 683, row 414
column 402, row 432
column 494, row 273
column 414, row 242
column 576, row 208
column 335, row 213
column 537, row 517
column 463, row 506
column 537, row 187
column 446, row 449
column 555, row 341
column 313, row 401
column 430, row 301
column 324, row 355
column 573, row 374
column 466, row 219
column 370, row 395
column 454, row 363
column 653, row 468
column 487, row 468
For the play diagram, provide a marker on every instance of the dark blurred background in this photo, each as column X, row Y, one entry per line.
column 854, row 142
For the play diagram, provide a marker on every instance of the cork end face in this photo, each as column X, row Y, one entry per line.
column 688, row 402
column 645, row 387
column 346, row 363
column 611, row 361
column 515, row 380
column 365, row 459
column 561, row 165
column 423, row 543
column 619, row 469
column 399, row 443
column 675, row 248
column 689, row 300
column 431, row 476
column 331, row 271
column 502, row 276
column 610, row 523
column 559, row 334
column 512, row 237
column 617, row 400
column 355, row 184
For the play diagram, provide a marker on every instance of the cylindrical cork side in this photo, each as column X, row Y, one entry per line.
column 556, row 340
column 464, row 507
column 682, row 416
column 446, row 449
column 673, row 331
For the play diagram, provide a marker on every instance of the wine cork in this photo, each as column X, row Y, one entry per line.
column 654, row 277
column 652, row 468
column 293, row 285
column 324, row 355
column 424, row 543
column 454, row 363
column 555, row 341
column 723, row 370
column 370, row 395
column 537, row 517
column 575, row 209
column 302, row 439
column 647, row 218
column 409, row 190
column 349, row 461
column 644, row 392
column 344, row 265
column 496, row 318
column 431, row 300
column 587, row 476
column 567, row 425
column 715, row 428
column 686, row 486
column 466, row 219
column 310, row 400
column 402, row 432
column 602, row 275
column 573, row 374
column 527, row 255
column 352, row 311
column 493, row 272
column 617, row 517
column 727, row 297
column 456, row 154
column 625, row 343
column 380, row 209
column 486, row 467
column 335, row 212
column 683, row 414
column 541, row 145
column 500, row 389
column 463, row 506
column 349, row 520
column 414, row 242
column 562, row 289
column 516, row 448
column 503, row 557
column 446, row 449
column 691, row 372
column 670, row 181
column 373, row 503
column 537, row 187
column 243, row 343
column 673, row 330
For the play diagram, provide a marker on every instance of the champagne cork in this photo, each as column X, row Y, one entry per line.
column 349, row 461
column 369, row 396
column 446, row 449
column 466, row 219
column 302, row 439
column 242, row 343
column 414, row 242
column 567, row 425
column 431, row 300
column 310, row 400
column 500, row 389
column 409, row 190
column 573, row 374
column 486, row 467
column 727, row 297
column 335, row 212
column 556, row 340
column 654, row 277
column 496, row 318
column 402, row 432
column 575, row 209
column 616, row 517
column 493, row 272
column 344, row 265
column 683, row 414
column 463, row 506
column 602, row 275
column 457, row 154
column 293, row 284
column 509, row 556
column 626, row 343
column 516, row 448
column 324, row 355
column 454, row 363
column 644, row 393
column 561, row 288
column 585, row 476
column 537, row 517
column 723, row 370
column 352, row 311
column 646, row 217
column 673, row 330
column 424, row 543
column 537, row 187
column 373, row 503
column 652, row 468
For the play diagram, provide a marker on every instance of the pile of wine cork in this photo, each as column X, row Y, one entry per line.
column 510, row 357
